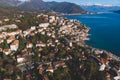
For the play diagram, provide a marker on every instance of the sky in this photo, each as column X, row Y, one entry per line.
column 89, row 2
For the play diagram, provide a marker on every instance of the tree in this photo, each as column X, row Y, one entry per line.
column 45, row 51
column 22, row 43
column 90, row 68
column 62, row 74
column 4, row 44
column 61, row 52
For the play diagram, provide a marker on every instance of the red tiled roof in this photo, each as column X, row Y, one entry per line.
column 11, row 37
column 15, row 42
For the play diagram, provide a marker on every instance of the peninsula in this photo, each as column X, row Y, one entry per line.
column 48, row 47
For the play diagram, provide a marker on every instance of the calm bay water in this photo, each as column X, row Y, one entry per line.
column 105, row 30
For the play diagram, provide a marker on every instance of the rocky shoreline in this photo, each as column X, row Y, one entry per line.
column 115, row 57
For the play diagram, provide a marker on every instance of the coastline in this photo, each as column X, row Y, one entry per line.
column 79, row 13
column 114, row 56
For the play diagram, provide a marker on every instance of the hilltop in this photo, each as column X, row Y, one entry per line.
column 9, row 2
column 62, row 7
column 40, row 5
column 8, row 11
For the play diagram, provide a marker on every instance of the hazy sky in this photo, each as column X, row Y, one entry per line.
column 107, row 2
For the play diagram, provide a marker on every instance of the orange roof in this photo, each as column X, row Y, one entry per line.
column 45, row 78
column 60, row 62
column 18, row 30
column 1, row 39
column 102, row 61
column 28, row 30
column 28, row 43
column 15, row 42
column 11, row 37
column 7, row 79
column 6, row 50
column 49, row 67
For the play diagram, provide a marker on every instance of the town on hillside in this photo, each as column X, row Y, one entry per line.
column 48, row 47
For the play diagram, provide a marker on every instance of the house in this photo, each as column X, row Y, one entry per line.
column 11, row 26
column 40, row 68
column 26, row 32
column 1, row 40
column 45, row 77
column 98, row 51
column 6, row 19
column 18, row 31
column 7, row 79
column 118, row 75
column 108, row 76
column 32, row 34
column 14, row 45
column 117, row 78
column 56, row 41
column 40, row 30
column 49, row 34
column 40, row 44
column 1, row 49
column 70, row 44
column 33, row 28
column 1, row 36
column 10, row 39
column 59, row 63
column 7, row 51
column 20, row 59
column 29, row 45
column 102, row 67
column 50, row 69
column 28, row 76
column 51, row 19
column 44, row 25
column 1, row 22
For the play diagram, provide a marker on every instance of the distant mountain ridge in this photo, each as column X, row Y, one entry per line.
column 9, row 2
column 8, row 12
column 62, row 7
column 100, row 8
column 40, row 5
column 65, row 7
column 34, row 5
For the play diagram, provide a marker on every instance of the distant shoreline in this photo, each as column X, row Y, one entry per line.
column 79, row 13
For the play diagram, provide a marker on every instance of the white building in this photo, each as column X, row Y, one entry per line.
column 50, row 69
column 5, row 27
column 10, row 39
column 14, row 45
column 20, row 59
column 118, row 75
column 1, row 41
column 29, row 45
column 7, row 51
column 102, row 67
column 26, row 32
column 51, row 19
column 33, row 28
column 70, row 44
column 40, row 44
column 44, row 25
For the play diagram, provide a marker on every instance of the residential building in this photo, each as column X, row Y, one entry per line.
column 14, row 45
